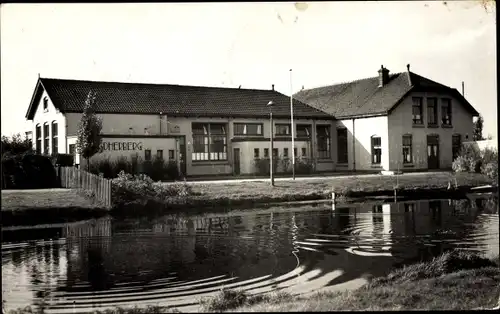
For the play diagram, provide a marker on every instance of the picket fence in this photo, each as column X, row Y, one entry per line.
column 74, row 178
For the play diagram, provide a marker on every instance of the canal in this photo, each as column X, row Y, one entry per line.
column 179, row 258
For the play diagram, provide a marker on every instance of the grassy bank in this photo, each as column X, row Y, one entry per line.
column 29, row 207
column 63, row 204
column 418, row 185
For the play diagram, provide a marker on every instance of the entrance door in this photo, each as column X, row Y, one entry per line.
column 182, row 155
column 433, row 151
column 236, row 161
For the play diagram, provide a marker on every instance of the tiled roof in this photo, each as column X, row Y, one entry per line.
column 113, row 97
column 364, row 97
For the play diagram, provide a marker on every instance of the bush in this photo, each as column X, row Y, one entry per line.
column 304, row 166
column 491, row 170
column 157, row 169
column 16, row 145
column 28, row 171
column 63, row 160
column 129, row 189
column 461, row 164
column 471, row 159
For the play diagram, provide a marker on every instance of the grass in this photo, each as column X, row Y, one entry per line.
column 16, row 200
column 453, row 281
column 350, row 186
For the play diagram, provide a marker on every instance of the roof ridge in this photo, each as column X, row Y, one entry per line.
column 154, row 84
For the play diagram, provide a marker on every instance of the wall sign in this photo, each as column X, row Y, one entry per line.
column 121, row 146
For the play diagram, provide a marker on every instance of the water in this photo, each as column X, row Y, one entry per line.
column 177, row 259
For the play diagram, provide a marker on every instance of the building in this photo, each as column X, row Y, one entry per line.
column 208, row 130
column 400, row 121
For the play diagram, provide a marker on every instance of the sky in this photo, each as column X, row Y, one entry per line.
column 249, row 44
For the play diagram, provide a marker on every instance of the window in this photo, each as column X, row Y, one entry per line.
column 248, row 129
column 55, row 148
column 171, row 154
column 275, row 152
column 407, row 149
column 46, row 138
column 446, row 111
column 295, row 151
column 256, row 153
column 456, row 143
column 304, row 152
column 323, row 141
column 72, row 149
column 209, row 141
column 38, row 135
column 266, row 152
column 376, row 150
column 282, row 129
column 285, row 152
column 417, row 111
column 431, row 111
column 159, row 154
column 303, row 130
column 45, row 104
column 342, row 146
column 147, row 154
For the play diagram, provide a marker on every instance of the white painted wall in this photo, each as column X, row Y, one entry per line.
column 48, row 116
column 400, row 123
column 113, row 148
column 359, row 149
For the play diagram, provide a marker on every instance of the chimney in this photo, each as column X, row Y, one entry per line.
column 272, row 86
column 408, row 73
column 383, row 76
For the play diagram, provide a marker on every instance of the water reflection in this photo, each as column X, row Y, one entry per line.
column 175, row 259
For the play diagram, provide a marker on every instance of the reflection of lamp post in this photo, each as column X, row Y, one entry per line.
column 270, row 104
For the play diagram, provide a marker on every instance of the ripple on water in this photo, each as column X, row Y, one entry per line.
column 176, row 261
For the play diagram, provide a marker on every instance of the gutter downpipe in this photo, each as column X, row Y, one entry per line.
column 353, row 145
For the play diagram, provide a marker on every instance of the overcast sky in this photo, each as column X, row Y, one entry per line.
column 248, row 44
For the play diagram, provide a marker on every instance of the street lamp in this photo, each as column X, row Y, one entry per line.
column 270, row 105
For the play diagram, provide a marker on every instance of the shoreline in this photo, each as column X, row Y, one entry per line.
column 32, row 215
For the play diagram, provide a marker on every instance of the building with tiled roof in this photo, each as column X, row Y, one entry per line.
column 207, row 129
column 400, row 121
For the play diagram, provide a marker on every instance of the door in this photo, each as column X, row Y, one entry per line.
column 182, row 155
column 236, row 161
column 432, row 151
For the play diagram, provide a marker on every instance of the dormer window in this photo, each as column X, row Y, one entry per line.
column 45, row 104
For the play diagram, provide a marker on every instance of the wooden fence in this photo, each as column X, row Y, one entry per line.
column 74, row 178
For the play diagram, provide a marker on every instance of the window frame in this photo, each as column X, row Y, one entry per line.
column 285, row 152
column 266, row 153
column 324, row 152
column 277, row 125
column 55, row 145
column 303, row 152
column 455, row 149
column 307, row 127
column 432, row 108
column 417, row 102
column 171, row 154
column 147, row 155
column 407, row 146
column 446, row 103
column 159, row 154
column 237, row 125
column 46, row 138
column 376, row 149
column 210, row 139
column 38, row 139
column 340, row 154
column 45, row 104
column 256, row 153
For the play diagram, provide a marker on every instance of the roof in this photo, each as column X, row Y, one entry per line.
column 364, row 97
column 175, row 100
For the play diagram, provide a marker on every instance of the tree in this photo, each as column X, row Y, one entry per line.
column 16, row 145
column 478, row 129
column 89, row 130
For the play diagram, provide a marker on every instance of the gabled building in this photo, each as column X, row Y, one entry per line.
column 207, row 130
column 400, row 121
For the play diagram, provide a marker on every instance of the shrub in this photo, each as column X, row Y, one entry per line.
column 491, row 170
column 63, row 160
column 16, row 145
column 28, row 171
column 261, row 165
column 128, row 188
column 461, row 164
column 304, row 166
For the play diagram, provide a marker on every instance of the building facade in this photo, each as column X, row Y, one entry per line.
column 402, row 122
column 224, row 131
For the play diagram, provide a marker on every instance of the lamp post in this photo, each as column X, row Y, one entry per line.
column 270, row 105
